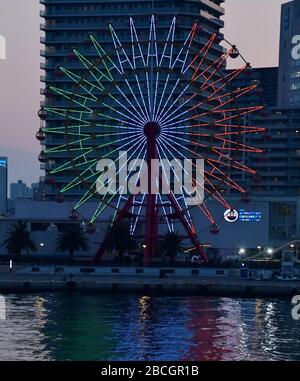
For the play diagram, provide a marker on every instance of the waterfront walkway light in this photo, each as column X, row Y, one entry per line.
column 270, row 251
column 242, row 251
column 11, row 266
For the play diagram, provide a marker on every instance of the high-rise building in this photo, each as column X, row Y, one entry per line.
column 67, row 27
column 3, row 184
column 278, row 176
column 19, row 190
column 289, row 59
column 266, row 79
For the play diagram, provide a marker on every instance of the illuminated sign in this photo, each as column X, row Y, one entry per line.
column 296, row 48
column 231, row 215
column 2, row 48
column 242, row 215
column 250, row 216
column 3, row 163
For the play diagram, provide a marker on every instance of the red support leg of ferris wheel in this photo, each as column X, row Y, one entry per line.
column 151, row 131
column 121, row 216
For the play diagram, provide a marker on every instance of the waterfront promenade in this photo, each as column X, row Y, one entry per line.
column 228, row 284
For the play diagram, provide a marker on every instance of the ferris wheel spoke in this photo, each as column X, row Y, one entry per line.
column 165, row 214
column 83, row 83
column 241, row 147
column 212, row 69
column 132, row 120
column 223, row 81
column 62, row 131
column 235, row 165
column 239, row 112
column 122, row 186
column 202, row 56
column 105, row 58
column 136, row 43
column 186, row 46
column 234, row 113
column 134, row 117
column 152, row 44
column 204, row 209
column 121, row 53
column 151, row 62
column 169, row 42
column 78, row 99
column 167, row 101
column 165, row 119
column 225, row 179
column 116, row 119
column 140, row 113
column 166, row 55
column 183, row 188
column 138, row 214
column 147, row 112
column 100, row 209
column 142, row 110
column 211, row 98
column 122, row 61
column 72, row 163
column 166, row 177
column 67, row 113
column 157, row 113
column 81, row 178
column 92, row 69
column 69, row 146
column 164, row 115
column 215, row 193
column 91, row 191
column 192, row 226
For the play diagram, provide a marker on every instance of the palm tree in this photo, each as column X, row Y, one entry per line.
column 19, row 239
column 72, row 240
column 170, row 245
column 118, row 238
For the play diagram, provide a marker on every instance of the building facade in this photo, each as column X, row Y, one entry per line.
column 289, row 57
column 3, row 184
column 67, row 25
column 19, row 190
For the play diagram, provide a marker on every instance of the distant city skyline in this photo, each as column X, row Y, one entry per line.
column 252, row 26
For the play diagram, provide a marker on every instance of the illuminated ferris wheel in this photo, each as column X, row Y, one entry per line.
column 151, row 99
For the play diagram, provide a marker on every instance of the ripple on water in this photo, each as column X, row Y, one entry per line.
column 120, row 327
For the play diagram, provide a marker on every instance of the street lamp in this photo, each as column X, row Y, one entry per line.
column 242, row 251
column 42, row 245
column 270, row 251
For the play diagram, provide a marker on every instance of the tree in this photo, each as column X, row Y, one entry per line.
column 72, row 240
column 118, row 238
column 19, row 239
column 170, row 245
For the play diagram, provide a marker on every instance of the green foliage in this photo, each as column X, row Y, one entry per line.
column 170, row 245
column 118, row 238
column 19, row 239
column 72, row 240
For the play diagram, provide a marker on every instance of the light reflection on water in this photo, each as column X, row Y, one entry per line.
column 120, row 327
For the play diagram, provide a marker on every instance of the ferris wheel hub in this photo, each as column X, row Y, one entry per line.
column 152, row 129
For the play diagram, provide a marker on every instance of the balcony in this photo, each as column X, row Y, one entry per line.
column 213, row 5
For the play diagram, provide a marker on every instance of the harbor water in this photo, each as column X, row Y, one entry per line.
column 69, row 326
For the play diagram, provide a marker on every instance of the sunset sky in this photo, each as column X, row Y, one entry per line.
column 252, row 25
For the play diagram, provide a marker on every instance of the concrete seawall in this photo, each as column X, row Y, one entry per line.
column 158, row 281
column 147, row 285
